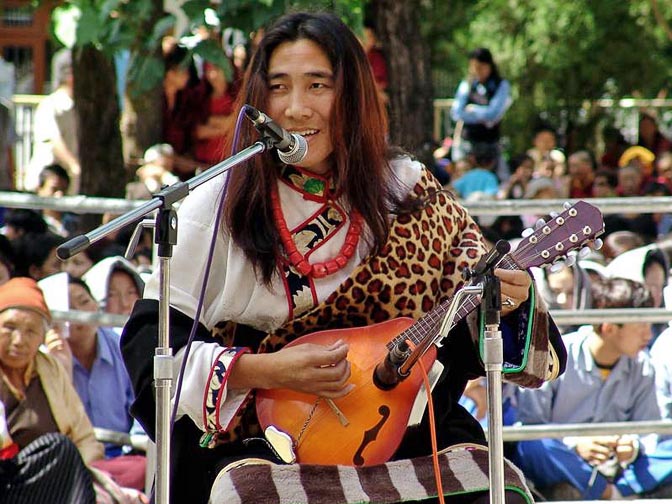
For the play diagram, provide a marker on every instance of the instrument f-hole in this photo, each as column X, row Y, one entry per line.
column 371, row 435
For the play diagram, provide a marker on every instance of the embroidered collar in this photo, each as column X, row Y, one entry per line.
column 312, row 186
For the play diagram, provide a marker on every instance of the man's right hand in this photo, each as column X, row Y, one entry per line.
column 313, row 369
column 598, row 449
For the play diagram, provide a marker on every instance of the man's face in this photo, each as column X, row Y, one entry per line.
column 80, row 300
column 52, row 264
column 54, row 186
column 579, row 168
column 629, row 339
column 544, row 141
column 601, row 187
column 630, row 180
column 561, row 285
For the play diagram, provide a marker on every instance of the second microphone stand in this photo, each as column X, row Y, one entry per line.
column 483, row 277
column 493, row 358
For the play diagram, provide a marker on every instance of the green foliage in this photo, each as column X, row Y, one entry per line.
column 556, row 54
column 142, row 66
column 248, row 15
column 211, row 51
column 194, row 10
column 138, row 26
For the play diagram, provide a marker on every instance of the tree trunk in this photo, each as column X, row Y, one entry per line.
column 98, row 115
column 142, row 119
column 410, row 90
column 142, row 124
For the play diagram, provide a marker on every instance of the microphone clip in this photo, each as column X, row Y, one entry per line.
column 488, row 262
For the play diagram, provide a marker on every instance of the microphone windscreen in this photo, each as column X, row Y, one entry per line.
column 295, row 154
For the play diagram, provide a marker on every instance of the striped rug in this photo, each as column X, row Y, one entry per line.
column 462, row 471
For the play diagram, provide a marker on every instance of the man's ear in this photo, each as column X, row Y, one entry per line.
column 607, row 328
column 34, row 271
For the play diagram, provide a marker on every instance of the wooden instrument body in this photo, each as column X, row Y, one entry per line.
column 377, row 419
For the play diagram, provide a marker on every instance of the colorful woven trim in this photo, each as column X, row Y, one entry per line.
column 9, row 452
column 311, row 235
column 312, row 186
column 214, row 390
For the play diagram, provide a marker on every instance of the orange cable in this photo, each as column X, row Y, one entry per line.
column 432, row 431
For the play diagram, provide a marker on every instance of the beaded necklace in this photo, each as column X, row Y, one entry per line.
column 298, row 260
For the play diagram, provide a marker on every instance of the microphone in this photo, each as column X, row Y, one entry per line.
column 292, row 148
column 386, row 375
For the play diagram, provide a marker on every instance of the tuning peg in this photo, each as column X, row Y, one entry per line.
column 554, row 214
column 527, row 232
column 585, row 252
column 566, row 205
column 539, row 224
column 597, row 243
column 570, row 261
column 557, row 266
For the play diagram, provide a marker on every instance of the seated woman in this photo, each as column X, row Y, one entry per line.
column 35, row 389
column 213, row 126
column 50, row 469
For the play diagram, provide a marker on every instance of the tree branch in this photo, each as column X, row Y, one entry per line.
column 660, row 19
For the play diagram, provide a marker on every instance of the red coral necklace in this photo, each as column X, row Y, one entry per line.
column 298, row 260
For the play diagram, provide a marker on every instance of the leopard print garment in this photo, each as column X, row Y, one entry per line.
column 418, row 268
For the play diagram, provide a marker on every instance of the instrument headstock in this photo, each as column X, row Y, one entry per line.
column 577, row 226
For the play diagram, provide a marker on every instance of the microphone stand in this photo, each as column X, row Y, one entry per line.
column 165, row 236
column 493, row 358
column 484, row 281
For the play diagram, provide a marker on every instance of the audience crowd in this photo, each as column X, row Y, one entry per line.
column 615, row 372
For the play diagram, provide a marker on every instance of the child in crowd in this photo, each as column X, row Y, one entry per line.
column 115, row 284
column 210, row 132
column 35, row 254
column 479, row 181
column 54, row 182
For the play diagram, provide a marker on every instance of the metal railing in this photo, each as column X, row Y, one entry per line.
column 138, row 442
column 91, row 318
column 79, row 204
column 628, row 107
column 24, row 118
column 97, row 205
column 527, row 432
column 24, row 112
column 87, row 204
column 561, row 317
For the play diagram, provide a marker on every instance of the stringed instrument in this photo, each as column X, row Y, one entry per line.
column 366, row 426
